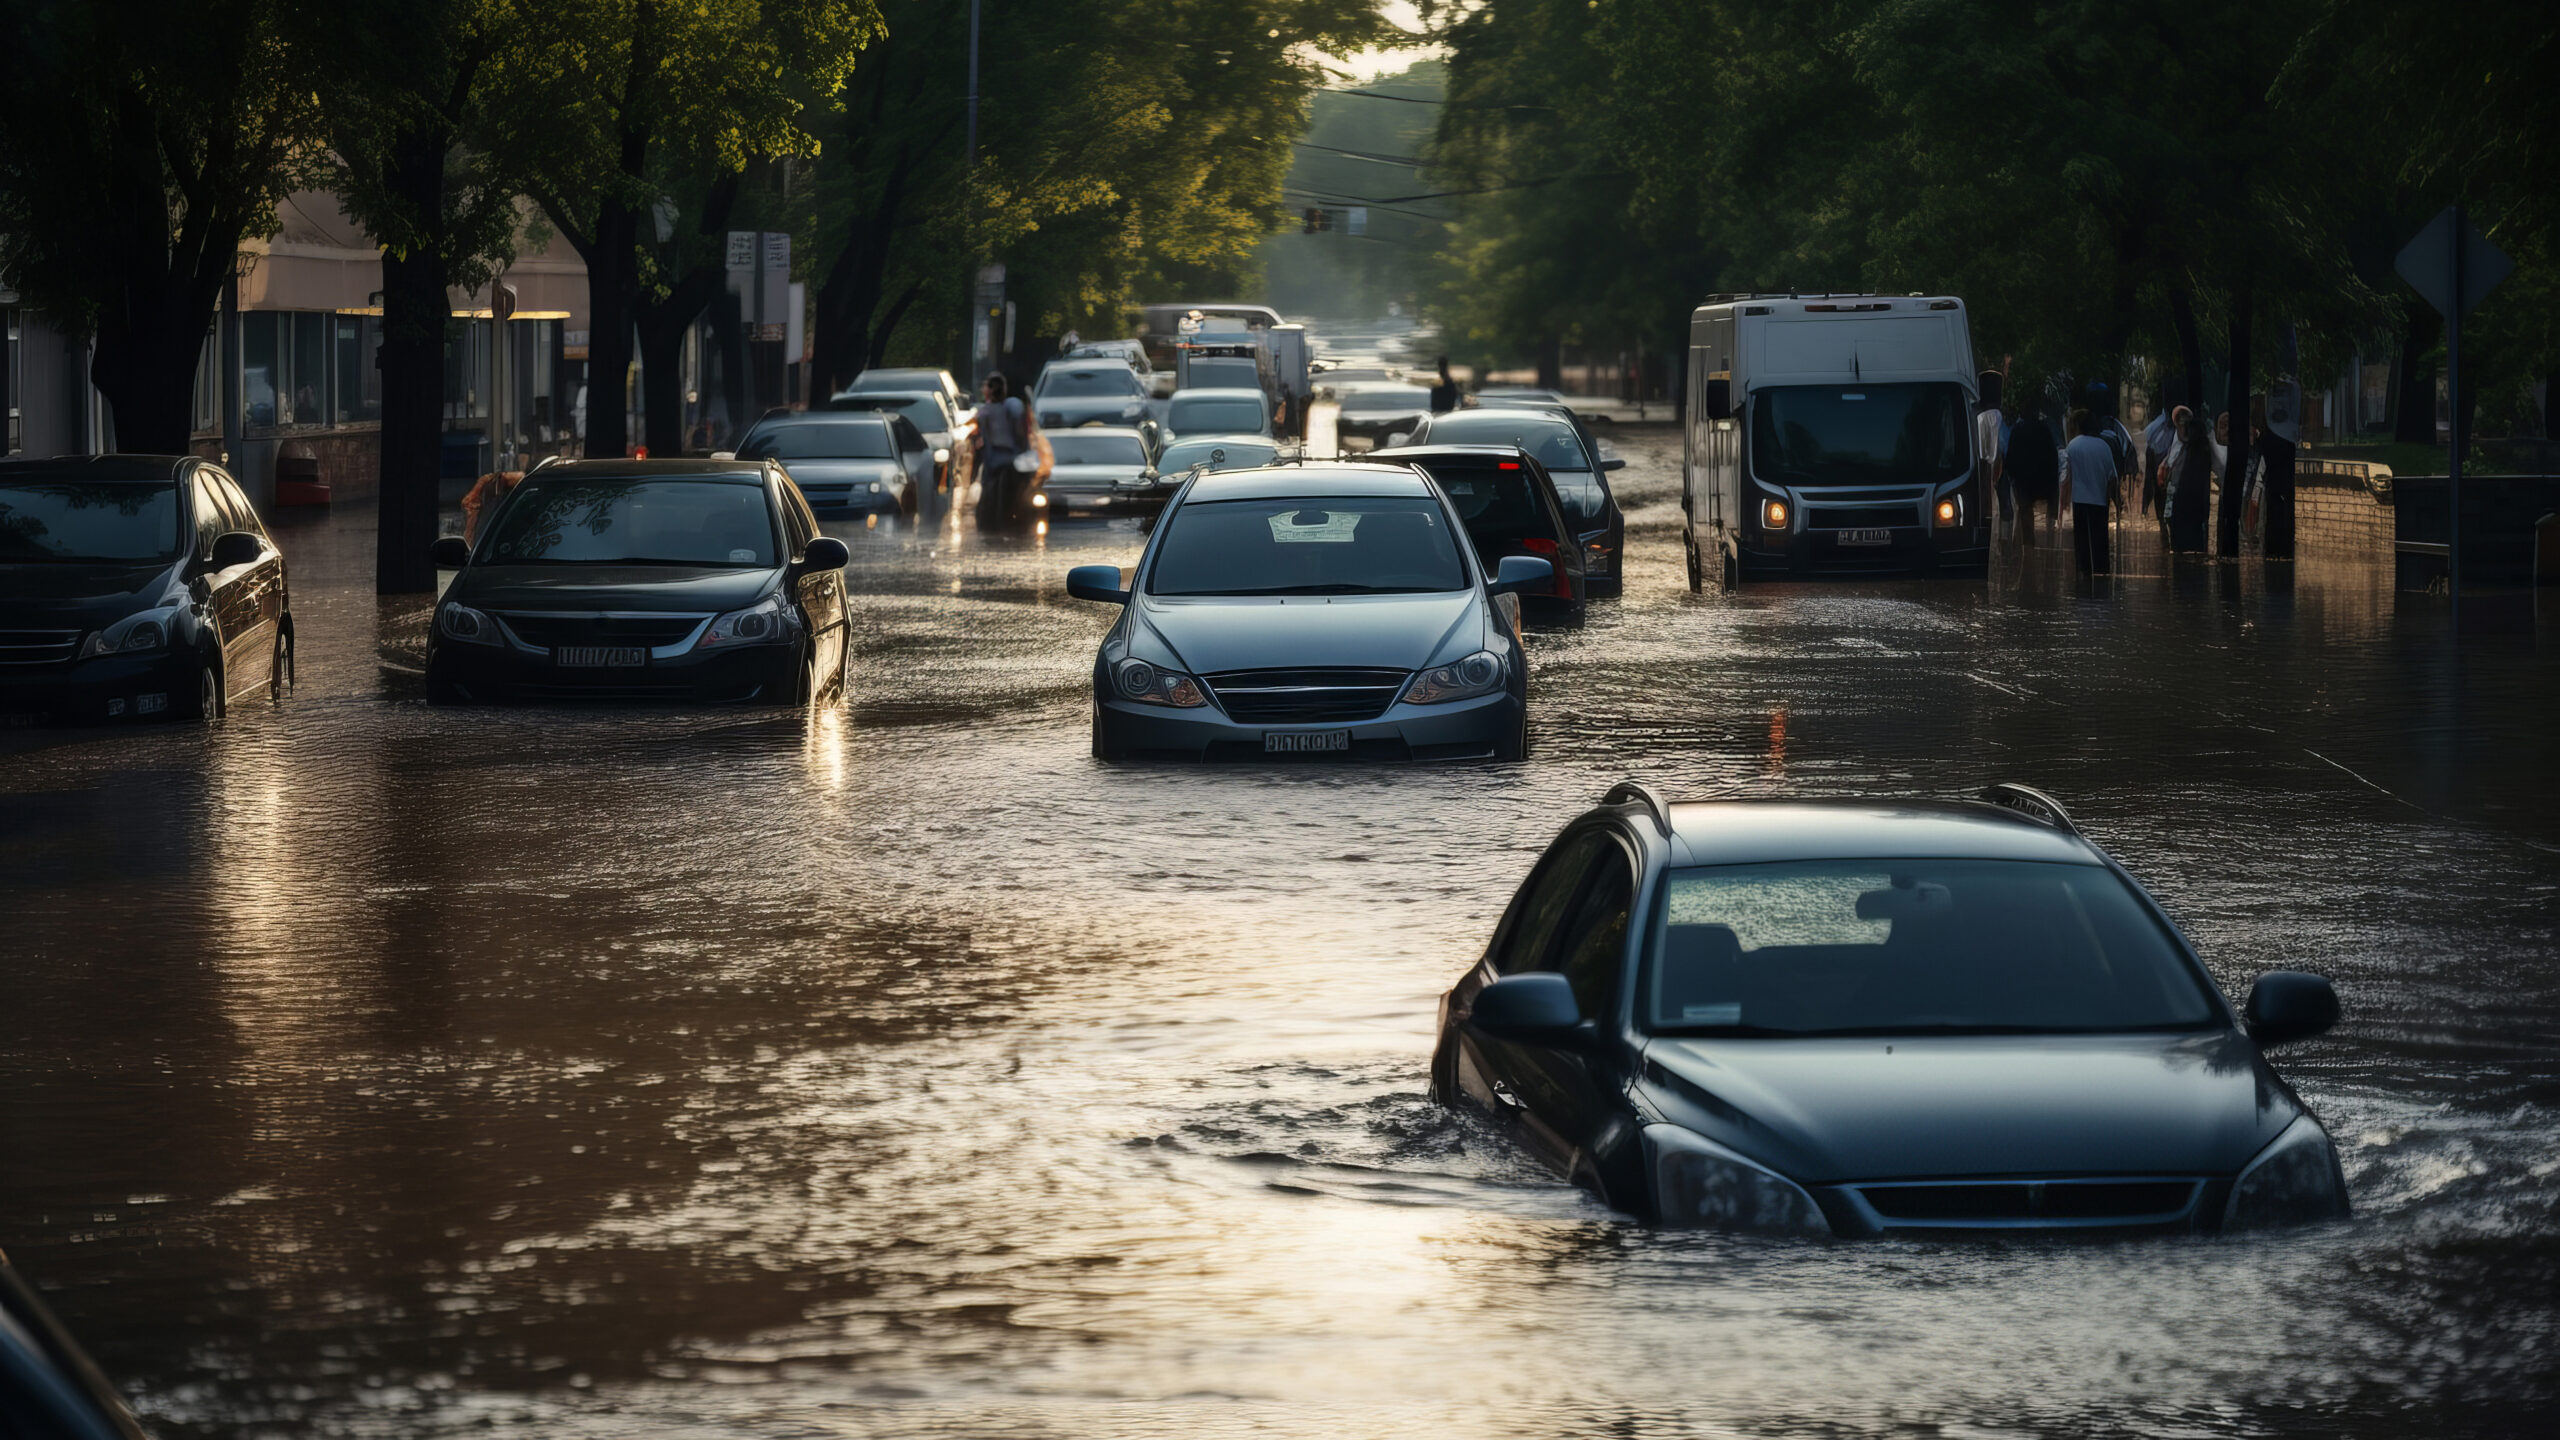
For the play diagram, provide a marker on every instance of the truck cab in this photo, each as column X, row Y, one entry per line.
column 1831, row 434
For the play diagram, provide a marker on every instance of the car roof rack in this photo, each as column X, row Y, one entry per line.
column 2033, row 803
column 1636, row 792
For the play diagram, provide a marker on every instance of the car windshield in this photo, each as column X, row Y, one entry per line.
column 1074, row 449
column 1215, row 416
column 1331, row 545
column 1089, row 380
column 1551, row 441
column 1891, row 947
column 1858, row 434
column 606, row 521
column 1383, row 402
column 1233, row 370
column 1583, row 499
column 1230, row 454
column 73, row 520
column 922, row 411
column 820, row 440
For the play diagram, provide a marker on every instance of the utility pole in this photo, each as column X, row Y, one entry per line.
column 969, row 281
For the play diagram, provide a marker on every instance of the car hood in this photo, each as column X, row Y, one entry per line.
column 1824, row 1111
column 610, row 587
column 1208, row 634
column 48, row 596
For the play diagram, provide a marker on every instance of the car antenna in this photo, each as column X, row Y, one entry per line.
column 2032, row 803
column 1636, row 792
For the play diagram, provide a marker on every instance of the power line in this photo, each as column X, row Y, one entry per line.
column 1409, row 161
column 1486, row 190
column 1432, row 100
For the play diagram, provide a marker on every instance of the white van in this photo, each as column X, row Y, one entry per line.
column 1831, row 433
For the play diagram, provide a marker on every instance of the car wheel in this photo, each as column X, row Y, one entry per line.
column 207, row 702
column 1444, row 1072
column 1102, row 750
column 280, row 669
column 1515, row 746
column 804, row 685
column 1697, row 568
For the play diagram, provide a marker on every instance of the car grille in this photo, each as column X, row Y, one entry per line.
column 1292, row 697
column 549, row 631
column 37, row 647
column 1861, row 517
column 2006, row 1203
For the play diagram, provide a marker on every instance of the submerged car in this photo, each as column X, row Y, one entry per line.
column 926, row 410
column 1089, row 392
column 868, row 462
column 1864, row 1018
column 643, row 579
column 1222, row 411
column 1509, row 505
column 1570, row 453
column 136, row 586
column 1368, row 414
column 1331, row 611
column 1099, row 467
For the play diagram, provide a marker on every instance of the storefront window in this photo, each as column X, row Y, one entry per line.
column 206, row 417
column 262, row 343
column 358, row 394
column 309, row 401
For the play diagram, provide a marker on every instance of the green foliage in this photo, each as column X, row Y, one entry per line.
column 1360, row 148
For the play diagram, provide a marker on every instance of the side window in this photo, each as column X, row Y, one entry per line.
column 210, row 521
column 799, row 524
column 243, row 514
column 1548, row 897
column 1593, row 947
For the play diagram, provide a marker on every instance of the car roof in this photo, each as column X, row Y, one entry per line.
column 98, row 469
column 828, row 417
column 1117, row 432
column 1219, row 392
column 1531, row 409
column 1273, row 482
column 1745, row 832
column 728, row 472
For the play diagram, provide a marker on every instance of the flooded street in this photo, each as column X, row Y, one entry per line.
column 372, row 1069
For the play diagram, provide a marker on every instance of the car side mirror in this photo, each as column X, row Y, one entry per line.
column 2288, row 1005
column 826, row 552
column 1534, row 1007
column 1097, row 582
column 1614, row 462
column 450, row 552
column 1719, row 399
column 1521, row 573
column 236, row 547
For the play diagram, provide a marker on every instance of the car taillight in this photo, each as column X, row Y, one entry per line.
column 1506, row 464
column 1561, row 586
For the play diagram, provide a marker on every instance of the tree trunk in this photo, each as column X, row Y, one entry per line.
column 416, row 316
column 2413, row 409
column 1551, row 364
column 2182, row 315
column 662, row 379
column 2235, row 468
column 612, row 286
column 888, row 325
column 147, row 372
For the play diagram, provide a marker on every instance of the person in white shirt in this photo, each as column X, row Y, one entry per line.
column 1986, row 443
column 2089, row 463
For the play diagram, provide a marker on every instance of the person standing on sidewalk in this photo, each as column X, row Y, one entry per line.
column 2090, row 462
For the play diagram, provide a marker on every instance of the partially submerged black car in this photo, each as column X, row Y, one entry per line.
column 643, row 579
column 1509, row 505
column 1564, row 444
column 1863, row 1018
column 136, row 586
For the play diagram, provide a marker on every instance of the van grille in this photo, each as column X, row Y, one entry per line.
column 1291, row 697
column 37, row 647
column 1861, row 517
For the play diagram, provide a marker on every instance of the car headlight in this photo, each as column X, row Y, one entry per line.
column 1698, row 1182
column 133, row 635
column 767, row 622
column 1154, row 685
column 1479, row 674
column 2294, row 1180
column 461, row 622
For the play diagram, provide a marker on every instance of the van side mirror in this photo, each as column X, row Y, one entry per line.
column 1518, row 574
column 825, row 552
column 1097, row 582
column 1534, row 1007
column 1720, row 399
column 450, row 552
column 2288, row 1005
column 236, row 547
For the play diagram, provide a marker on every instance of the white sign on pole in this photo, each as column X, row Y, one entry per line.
column 1358, row 219
column 742, row 250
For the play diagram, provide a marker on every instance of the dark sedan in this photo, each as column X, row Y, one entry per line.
column 643, row 579
column 1368, row 416
column 1328, row 611
column 872, row 462
column 1089, row 392
column 1571, row 455
column 1863, row 1018
column 1509, row 505
column 136, row 586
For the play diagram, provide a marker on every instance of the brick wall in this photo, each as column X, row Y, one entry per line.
column 2337, row 512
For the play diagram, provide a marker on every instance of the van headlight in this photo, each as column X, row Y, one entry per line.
column 2294, row 1180
column 461, row 622
column 133, row 635
column 1698, row 1182
column 767, row 622
column 1479, row 674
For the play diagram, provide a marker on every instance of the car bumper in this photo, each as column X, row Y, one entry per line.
column 110, row 687
column 484, row 672
column 1909, row 550
column 1463, row 730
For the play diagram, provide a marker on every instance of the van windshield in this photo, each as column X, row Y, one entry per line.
column 1858, row 434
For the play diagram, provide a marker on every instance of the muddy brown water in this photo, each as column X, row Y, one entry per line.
column 370, row 1069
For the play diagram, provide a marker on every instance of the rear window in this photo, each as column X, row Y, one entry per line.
column 1493, row 503
column 1073, row 449
column 820, row 440
column 1216, row 416
column 1551, row 442
column 1092, row 380
column 1224, row 454
column 1380, row 402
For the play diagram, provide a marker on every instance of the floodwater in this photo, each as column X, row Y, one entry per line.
column 375, row 1070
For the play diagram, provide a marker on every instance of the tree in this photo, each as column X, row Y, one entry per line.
column 141, row 142
column 602, row 99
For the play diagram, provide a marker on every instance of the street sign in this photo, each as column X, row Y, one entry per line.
column 2427, row 263
column 742, row 250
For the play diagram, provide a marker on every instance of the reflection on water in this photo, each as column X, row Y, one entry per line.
column 373, row 1069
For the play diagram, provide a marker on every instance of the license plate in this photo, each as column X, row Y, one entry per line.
column 596, row 655
column 1866, row 537
column 1305, row 742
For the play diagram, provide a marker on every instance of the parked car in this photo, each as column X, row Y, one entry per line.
column 927, row 410
column 49, row 1387
column 1204, row 453
column 872, row 462
column 1571, row 456
column 1861, row 1017
column 1370, row 413
column 1327, row 611
column 887, row 379
column 1591, row 409
column 1509, row 505
column 1099, row 467
column 1131, row 352
column 135, row 587
column 643, row 579
column 1088, row 392
column 1215, row 412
